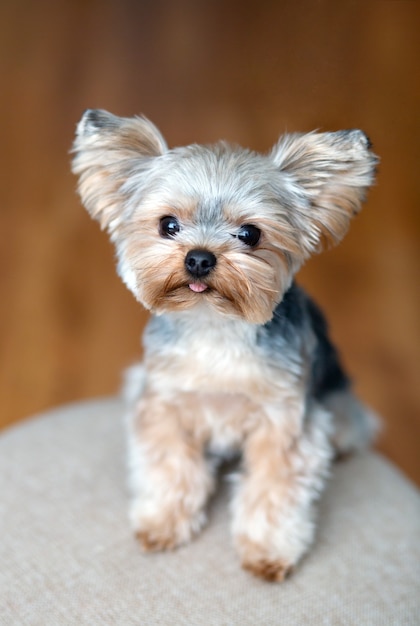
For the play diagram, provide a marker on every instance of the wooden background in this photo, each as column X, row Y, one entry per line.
column 203, row 70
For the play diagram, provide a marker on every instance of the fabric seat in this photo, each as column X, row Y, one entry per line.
column 67, row 554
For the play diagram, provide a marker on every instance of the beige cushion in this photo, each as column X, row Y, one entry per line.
column 67, row 555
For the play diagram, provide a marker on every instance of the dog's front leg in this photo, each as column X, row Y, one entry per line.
column 284, row 472
column 170, row 478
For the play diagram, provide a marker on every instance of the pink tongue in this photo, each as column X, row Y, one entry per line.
column 197, row 287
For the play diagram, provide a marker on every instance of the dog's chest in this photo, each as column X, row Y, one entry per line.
column 209, row 358
column 216, row 376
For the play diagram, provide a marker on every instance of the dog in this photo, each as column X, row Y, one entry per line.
column 237, row 357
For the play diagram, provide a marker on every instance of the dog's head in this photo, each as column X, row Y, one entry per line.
column 220, row 225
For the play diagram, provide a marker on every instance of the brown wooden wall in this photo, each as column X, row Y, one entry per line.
column 203, row 70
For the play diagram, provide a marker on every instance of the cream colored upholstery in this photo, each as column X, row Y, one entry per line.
column 67, row 555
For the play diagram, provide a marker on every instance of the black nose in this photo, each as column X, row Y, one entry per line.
column 199, row 262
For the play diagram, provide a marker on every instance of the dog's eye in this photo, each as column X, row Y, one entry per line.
column 169, row 226
column 249, row 234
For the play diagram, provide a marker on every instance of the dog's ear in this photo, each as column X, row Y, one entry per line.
column 109, row 150
column 328, row 175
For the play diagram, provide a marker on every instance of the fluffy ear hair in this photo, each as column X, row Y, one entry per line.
column 108, row 150
column 328, row 175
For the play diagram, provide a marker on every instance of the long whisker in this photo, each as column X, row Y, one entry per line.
column 238, row 270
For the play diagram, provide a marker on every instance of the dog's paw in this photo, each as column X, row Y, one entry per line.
column 272, row 571
column 258, row 560
column 165, row 531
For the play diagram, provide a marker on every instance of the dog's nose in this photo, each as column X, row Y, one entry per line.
column 200, row 262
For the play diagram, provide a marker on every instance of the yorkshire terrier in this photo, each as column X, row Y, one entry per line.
column 237, row 358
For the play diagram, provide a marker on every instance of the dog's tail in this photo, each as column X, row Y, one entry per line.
column 355, row 426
